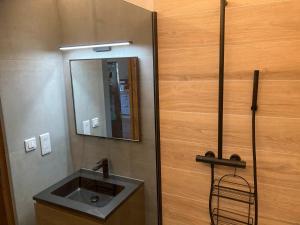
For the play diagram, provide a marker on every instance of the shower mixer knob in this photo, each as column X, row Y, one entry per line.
column 235, row 157
column 210, row 154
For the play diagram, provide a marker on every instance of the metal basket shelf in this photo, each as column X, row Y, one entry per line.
column 233, row 188
column 225, row 217
column 228, row 191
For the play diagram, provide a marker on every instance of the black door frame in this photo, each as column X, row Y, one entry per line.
column 157, row 117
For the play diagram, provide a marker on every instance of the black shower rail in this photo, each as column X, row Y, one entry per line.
column 235, row 160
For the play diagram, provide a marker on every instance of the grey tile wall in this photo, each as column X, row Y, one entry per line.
column 33, row 97
column 137, row 160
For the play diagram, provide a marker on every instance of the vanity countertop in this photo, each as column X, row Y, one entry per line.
column 129, row 185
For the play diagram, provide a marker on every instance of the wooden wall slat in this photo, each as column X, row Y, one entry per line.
column 192, row 7
column 271, row 195
column 201, row 96
column 274, row 134
column 256, row 23
column 240, row 61
column 182, row 211
column 178, row 154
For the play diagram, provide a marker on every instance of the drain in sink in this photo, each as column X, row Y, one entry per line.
column 94, row 199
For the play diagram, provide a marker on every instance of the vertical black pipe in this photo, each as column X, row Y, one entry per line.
column 221, row 78
column 255, row 90
column 254, row 109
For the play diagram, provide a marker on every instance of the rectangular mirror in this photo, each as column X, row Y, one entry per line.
column 106, row 101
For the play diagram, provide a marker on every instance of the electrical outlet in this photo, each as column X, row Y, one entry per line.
column 86, row 127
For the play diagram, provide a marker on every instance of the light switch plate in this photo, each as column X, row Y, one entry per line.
column 45, row 144
column 30, row 144
column 86, row 127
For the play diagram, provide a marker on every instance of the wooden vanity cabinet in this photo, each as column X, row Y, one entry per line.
column 131, row 212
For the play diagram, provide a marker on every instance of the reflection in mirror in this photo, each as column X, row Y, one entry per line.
column 105, row 95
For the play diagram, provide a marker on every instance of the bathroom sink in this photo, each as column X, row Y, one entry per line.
column 92, row 192
column 88, row 192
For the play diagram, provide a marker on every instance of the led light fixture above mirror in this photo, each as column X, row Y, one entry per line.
column 104, row 45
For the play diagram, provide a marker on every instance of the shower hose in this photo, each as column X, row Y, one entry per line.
column 254, row 109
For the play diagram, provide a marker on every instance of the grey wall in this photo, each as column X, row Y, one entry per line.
column 33, row 97
column 112, row 20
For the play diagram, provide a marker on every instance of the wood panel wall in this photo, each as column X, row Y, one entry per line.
column 6, row 207
column 260, row 34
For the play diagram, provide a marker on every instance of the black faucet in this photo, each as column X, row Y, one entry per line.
column 104, row 165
